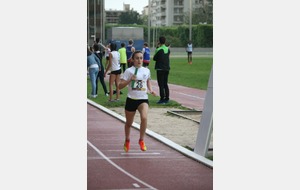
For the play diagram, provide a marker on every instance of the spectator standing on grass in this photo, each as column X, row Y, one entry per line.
column 162, row 67
column 137, row 78
column 114, row 66
column 106, row 55
column 93, row 66
column 146, row 54
column 100, row 75
column 189, row 50
column 101, row 47
column 129, row 50
column 123, row 57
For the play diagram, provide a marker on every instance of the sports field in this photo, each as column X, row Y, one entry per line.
column 195, row 75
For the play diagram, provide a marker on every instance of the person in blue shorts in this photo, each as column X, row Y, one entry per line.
column 129, row 50
column 146, row 52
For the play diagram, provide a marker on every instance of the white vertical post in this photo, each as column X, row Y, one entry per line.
column 206, row 122
column 95, row 20
column 154, row 40
column 103, row 24
column 190, row 34
column 88, row 22
column 149, row 18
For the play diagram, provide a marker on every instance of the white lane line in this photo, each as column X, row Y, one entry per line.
column 132, row 157
column 135, row 150
column 130, row 189
column 189, row 95
column 136, row 153
column 184, row 94
column 136, row 185
column 137, row 157
column 118, row 167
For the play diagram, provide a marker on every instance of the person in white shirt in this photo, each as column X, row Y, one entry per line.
column 106, row 54
column 137, row 78
column 189, row 50
column 114, row 66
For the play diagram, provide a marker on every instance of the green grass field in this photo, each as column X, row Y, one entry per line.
column 181, row 73
column 103, row 100
column 195, row 75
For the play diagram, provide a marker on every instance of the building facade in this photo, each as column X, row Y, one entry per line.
column 95, row 20
column 171, row 12
column 112, row 16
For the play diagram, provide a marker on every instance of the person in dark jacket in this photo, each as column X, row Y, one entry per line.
column 100, row 75
column 162, row 67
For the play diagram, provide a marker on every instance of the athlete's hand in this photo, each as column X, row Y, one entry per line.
column 153, row 93
column 133, row 77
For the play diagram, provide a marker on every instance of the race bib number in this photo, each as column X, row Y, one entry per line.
column 139, row 85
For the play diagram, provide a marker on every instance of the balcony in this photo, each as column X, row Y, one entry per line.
column 177, row 13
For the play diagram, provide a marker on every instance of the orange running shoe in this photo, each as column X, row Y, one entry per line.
column 126, row 145
column 142, row 145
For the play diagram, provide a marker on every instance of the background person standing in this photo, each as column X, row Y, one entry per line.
column 93, row 66
column 189, row 50
column 146, row 54
column 123, row 57
column 129, row 50
column 100, row 75
column 114, row 66
column 162, row 67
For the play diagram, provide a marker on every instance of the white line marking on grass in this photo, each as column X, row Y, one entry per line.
column 118, row 167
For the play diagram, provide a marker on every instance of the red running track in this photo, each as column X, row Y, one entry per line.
column 188, row 97
column 160, row 167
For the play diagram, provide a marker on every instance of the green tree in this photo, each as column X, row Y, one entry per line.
column 130, row 17
column 203, row 14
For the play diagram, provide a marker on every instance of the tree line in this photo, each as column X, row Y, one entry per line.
column 177, row 36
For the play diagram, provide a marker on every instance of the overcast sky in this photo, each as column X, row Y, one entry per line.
column 137, row 5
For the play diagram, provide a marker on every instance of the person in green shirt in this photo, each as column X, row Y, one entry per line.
column 162, row 67
column 123, row 56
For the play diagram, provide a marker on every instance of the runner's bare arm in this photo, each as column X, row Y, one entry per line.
column 150, row 88
column 109, row 65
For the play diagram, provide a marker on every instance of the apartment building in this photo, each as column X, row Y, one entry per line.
column 97, row 17
column 112, row 16
column 171, row 12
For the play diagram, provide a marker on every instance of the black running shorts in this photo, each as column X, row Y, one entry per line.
column 132, row 105
column 117, row 72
